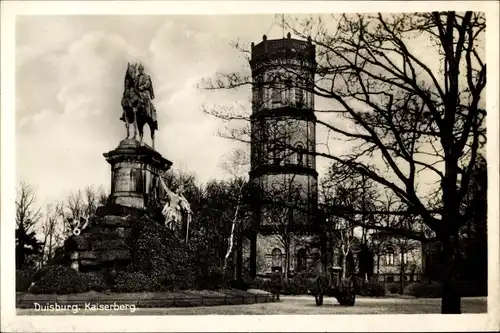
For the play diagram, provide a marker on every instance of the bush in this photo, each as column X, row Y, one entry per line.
column 94, row 281
column 298, row 285
column 239, row 284
column 205, row 265
column 129, row 282
column 58, row 280
column 425, row 290
column 372, row 289
column 59, row 257
column 42, row 271
column 289, row 288
column 262, row 284
column 213, row 280
column 161, row 256
column 359, row 282
column 23, row 280
column 394, row 287
column 433, row 289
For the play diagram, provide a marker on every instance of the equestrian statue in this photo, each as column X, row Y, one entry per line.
column 138, row 108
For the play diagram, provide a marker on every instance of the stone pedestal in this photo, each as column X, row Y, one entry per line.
column 103, row 245
column 134, row 173
column 135, row 188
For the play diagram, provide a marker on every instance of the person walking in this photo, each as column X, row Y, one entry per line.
column 276, row 283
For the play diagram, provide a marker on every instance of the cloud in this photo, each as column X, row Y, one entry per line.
column 59, row 153
column 180, row 58
column 68, row 112
column 69, row 102
column 91, row 73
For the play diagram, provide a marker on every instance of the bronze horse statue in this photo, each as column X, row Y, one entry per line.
column 136, row 103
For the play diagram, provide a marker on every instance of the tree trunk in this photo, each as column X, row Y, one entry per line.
column 253, row 255
column 287, row 257
column 401, row 272
column 451, row 300
column 344, row 263
column 239, row 258
column 231, row 235
column 378, row 262
column 50, row 246
column 20, row 249
column 43, row 248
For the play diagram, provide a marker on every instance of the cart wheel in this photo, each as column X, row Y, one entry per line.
column 319, row 299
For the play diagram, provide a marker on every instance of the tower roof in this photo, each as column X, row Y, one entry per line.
column 285, row 47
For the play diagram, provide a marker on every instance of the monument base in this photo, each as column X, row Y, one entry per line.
column 106, row 242
column 135, row 168
column 135, row 192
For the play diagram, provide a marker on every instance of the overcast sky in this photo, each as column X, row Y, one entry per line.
column 69, row 83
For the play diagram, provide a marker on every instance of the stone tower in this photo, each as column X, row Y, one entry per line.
column 283, row 164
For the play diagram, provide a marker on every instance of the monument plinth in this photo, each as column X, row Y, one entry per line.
column 135, row 168
column 135, row 172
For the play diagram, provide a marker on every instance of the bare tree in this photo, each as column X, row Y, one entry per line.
column 407, row 118
column 338, row 191
column 234, row 166
column 82, row 205
column 240, row 219
column 52, row 229
column 27, row 214
column 27, row 217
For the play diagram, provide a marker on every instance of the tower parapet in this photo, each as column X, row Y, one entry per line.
column 282, row 49
column 283, row 77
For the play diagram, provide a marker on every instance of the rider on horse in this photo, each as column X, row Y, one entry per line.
column 144, row 88
column 137, row 105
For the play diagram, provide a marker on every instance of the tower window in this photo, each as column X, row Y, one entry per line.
column 300, row 154
column 276, row 157
column 288, row 92
column 276, row 259
column 389, row 256
column 263, row 136
column 259, row 95
column 277, row 91
column 299, row 93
